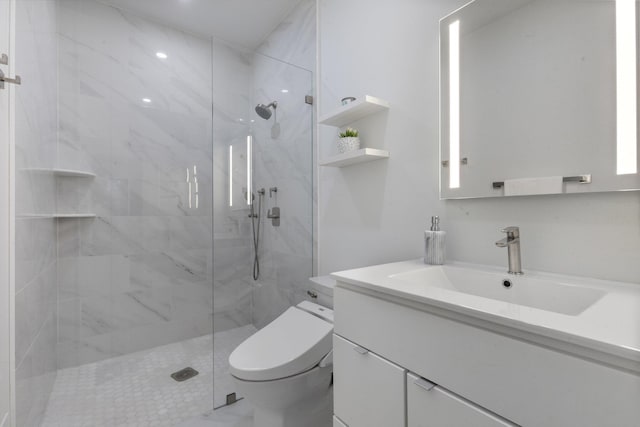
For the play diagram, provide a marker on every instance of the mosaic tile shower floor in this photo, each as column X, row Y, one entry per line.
column 135, row 390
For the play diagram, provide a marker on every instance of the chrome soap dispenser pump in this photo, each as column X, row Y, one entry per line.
column 434, row 243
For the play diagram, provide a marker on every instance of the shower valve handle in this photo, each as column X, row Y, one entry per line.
column 274, row 216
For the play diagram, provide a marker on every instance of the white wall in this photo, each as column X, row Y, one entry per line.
column 375, row 212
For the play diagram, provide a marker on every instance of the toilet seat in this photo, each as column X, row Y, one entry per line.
column 293, row 343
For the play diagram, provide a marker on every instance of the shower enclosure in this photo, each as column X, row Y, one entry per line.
column 139, row 154
column 266, row 161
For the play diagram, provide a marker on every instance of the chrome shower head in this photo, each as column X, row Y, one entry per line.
column 264, row 110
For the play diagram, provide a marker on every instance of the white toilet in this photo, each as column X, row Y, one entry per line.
column 285, row 369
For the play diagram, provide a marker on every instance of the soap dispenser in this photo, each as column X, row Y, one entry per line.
column 434, row 243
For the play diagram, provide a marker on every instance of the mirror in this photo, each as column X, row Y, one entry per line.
column 538, row 97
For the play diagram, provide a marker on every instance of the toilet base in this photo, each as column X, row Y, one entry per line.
column 316, row 413
column 302, row 400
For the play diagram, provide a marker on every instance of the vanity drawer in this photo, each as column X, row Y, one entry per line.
column 429, row 405
column 368, row 390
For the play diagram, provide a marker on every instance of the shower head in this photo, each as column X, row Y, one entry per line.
column 264, row 110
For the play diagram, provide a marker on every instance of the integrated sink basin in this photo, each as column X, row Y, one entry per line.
column 541, row 293
column 570, row 313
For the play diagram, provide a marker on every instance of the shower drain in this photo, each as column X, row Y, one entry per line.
column 184, row 374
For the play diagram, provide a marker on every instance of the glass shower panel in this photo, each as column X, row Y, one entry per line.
column 282, row 164
column 135, row 282
column 251, row 154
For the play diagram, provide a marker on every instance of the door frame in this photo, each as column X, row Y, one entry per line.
column 7, row 225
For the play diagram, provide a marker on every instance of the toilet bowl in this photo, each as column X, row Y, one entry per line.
column 284, row 370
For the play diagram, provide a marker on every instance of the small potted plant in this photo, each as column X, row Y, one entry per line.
column 349, row 140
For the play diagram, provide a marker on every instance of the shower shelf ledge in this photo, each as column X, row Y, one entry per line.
column 353, row 157
column 56, row 215
column 354, row 111
column 63, row 172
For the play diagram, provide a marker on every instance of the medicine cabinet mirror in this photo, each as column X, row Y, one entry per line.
column 539, row 92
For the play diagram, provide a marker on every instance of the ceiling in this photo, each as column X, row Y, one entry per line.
column 243, row 22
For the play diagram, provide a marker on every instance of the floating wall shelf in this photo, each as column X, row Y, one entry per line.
column 353, row 157
column 354, row 111
column 62, row 172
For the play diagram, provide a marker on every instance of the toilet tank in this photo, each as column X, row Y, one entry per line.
column 317, row 310
column 320, row 290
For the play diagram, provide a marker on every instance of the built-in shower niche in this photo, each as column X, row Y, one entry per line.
column 73, row 194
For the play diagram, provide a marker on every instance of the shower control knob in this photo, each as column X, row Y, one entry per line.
column 274, row 216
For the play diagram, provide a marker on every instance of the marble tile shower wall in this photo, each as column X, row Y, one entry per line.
column 294, row 40
column 139, row 274
column 286, row 162
column 35, row 230
column 242, row 79
column 233, row 286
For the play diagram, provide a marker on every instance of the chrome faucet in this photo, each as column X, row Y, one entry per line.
column 512, row 243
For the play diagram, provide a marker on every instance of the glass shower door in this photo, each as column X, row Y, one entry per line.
column 263, row 162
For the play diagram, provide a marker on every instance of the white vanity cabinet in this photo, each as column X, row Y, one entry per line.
column 368, row 390
column 384, row 348
column 429, row 405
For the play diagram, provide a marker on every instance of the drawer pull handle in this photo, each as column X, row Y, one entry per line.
column 425, row 384
column 360, row 350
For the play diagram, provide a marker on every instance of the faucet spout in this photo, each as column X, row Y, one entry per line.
column 512, row 243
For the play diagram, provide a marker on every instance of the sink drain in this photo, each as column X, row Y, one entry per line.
column 184, row 374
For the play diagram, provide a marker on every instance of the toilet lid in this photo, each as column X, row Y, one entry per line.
column 293, row 343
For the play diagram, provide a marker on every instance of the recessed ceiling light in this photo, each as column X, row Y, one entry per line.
column 162, row 55
column 285, row 91
column 146, row 100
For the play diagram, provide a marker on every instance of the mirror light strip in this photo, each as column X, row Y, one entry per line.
column 231, row 176
column 626, row 112
column 454, row 104
column 249, row 156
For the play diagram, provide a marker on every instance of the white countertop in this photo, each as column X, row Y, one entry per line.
column 610, row 326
